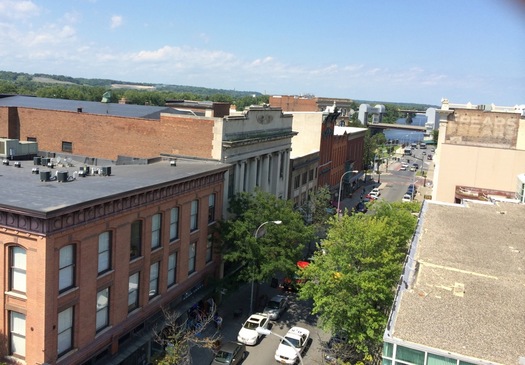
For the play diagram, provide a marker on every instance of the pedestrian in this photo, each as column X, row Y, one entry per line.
column 218, row 320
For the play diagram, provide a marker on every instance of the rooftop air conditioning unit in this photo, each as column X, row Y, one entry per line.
column 45, row 175
column 62, row 176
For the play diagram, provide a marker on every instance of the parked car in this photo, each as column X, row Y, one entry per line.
column 375, row 191
column 276, row 307
column 337, row 348
column 360, row 208
column 230, row 353
column 424, row 153
column 412, row 187
column 248, row 333
column 403, row 167
column 406, row 198
column 372, row 195
column 429, row 157
column 299, row 339
column 413, row 168
column 416, row 165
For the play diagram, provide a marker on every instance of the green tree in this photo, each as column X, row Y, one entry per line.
column 278, row 247
column 435, row 135
column 352, row 280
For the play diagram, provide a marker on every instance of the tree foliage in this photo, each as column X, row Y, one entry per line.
column 277, row 247
column 353, row 277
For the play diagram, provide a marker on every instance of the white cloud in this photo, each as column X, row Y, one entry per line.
column 16, row 9
column 116, row 21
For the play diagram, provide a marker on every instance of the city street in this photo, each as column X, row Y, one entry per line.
column 263, row 353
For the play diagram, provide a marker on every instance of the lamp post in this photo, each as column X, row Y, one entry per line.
column 340, row 186
column 256, row 236
column 264, row 331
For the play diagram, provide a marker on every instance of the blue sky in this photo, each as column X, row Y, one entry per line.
column 399, row 51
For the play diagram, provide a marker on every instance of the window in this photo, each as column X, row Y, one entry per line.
column 65, row 331
column 310, row 175
column 31, row 139
column 133, row 292
column 66, row 271
column 154, row 280
column 17, row 276
column 192, row 257
column 17, row 334
column 104, row 252
column 410, row 355
column 209, row 249
column 67, row 146
column 211, row 208
column 136, row 240
column 296, row 181
column 174, row 224
column 194, row 215
column 102, row 320
column 156, row 222
column 440, row 360
column 172, row 269
column 305, row 178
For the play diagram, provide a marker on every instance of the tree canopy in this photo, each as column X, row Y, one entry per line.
column 278, row 246
column 352, row 278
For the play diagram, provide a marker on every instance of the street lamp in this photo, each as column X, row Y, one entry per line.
column 256, row 236
column 265, row 332
column 340, row 186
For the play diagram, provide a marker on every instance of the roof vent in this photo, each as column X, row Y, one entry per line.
column 173, row 163
column 18, row 164
column 37, row 160
column 34, row 170
column 79, row 110
column 5, row 162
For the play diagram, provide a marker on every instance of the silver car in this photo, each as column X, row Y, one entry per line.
column 276, row 307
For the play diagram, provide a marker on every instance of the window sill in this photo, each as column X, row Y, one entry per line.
column 16, row 295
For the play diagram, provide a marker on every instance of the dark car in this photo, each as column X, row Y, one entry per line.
column 416, row 165
column 337, row 348
column 230, row 353
column 276, row 307
column 360, row 208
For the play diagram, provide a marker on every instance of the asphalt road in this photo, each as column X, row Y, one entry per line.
column 263, row 353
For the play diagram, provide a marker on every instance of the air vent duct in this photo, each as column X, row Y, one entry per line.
column 37, row 160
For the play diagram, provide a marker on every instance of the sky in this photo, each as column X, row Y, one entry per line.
column 412, row 51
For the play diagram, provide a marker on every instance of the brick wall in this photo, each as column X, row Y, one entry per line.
column 107, row 137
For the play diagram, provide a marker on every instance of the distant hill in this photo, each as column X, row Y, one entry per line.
column 40, row 80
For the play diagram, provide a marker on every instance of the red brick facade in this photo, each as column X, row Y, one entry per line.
column 81, row 227
column 107, row 137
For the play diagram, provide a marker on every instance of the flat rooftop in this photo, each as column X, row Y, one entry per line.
column 22, row 189
column 88, row 107
column 466, row 291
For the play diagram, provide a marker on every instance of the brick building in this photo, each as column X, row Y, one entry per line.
column 91, row 254
column 256, row 142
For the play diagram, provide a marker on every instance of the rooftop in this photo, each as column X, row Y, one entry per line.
column 466, row 286
column 23, row 190
column 90, row 107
